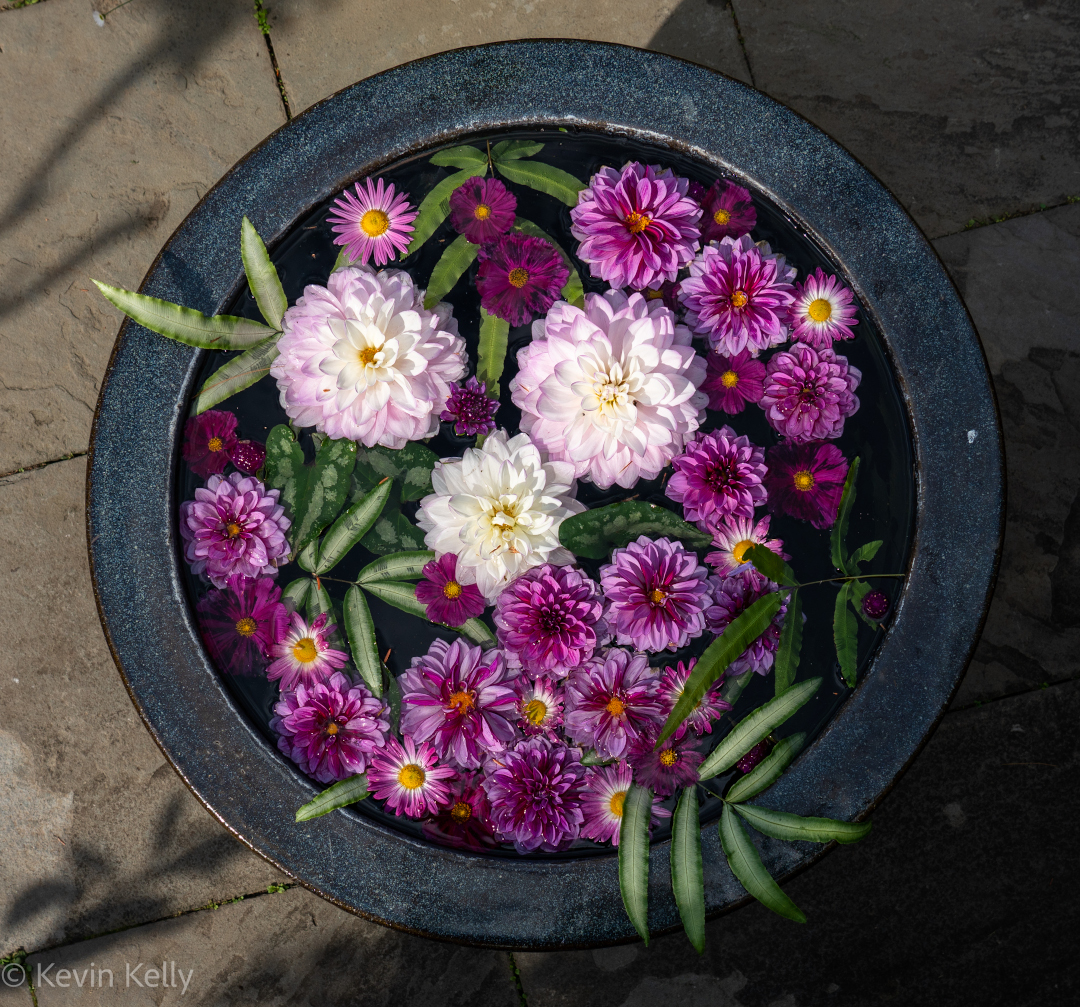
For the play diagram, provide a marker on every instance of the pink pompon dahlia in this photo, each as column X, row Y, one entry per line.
column 709, row 707
column 234, row 525
column 363, row 358
column 611, row 701
column 637, row 227
column 603, row 800
column 550, row 620
column 465, row 822
column 611, row 388
column 374, row 223
column 535, row 791
column 823, row 311
column 330, row 729
column 733, row 596
column 459, row 698
column 667, row 769
column 738, row 295
column 448, row 600
column 519, row 277
column 806, row 481
column 732, row 382
column 470, row 409
column 407, row 778
column 482, row 209
column 657, row 593
column 728, row 212
column 540, row 707
column 719, row 476
column 809, row 393
column 304, row 655
column 242, row 623
column 733, row 537
column 209, row 439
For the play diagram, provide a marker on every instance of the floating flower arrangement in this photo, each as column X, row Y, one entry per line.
column 590, row 654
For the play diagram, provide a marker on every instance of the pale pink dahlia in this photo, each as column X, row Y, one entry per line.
column 304, row 655
column 738, row 295
column 733, row 595
column 362, row 358
column 373, row 223
column 235, row 525
column 733, row 537
column 809, row 393
column 407, row 778
column 822, row 311
column 637, row 227
column 603, row 799
column 611, row 389
column 709, row 707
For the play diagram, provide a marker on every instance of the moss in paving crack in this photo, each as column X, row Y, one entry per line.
column 984, row 221
column 517, row 980
column 261, row 13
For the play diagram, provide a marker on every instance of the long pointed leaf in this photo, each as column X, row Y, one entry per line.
column 634, row 857
column 784, row 825
column 397, row 566
column 348, row 791
column 775, row 569
column 742, row 857
column 360, row 629
column 262, row 276
column 756, row 726
column 687, row 876
column 572, row 292
column 309, row 558
column 594, row 533
column 478, row 632
column 491, row 355
column 436, row 205
column 734, row 687
column 319, row 601
column 510, row 150
column 865, row 552
column 790, row 646
column 186, row 325
column 403, row 596
column 543, row 177
column 766, row 772
column 239, row 373
column 461, row 157
column 453, row 262
column 297, row 592
column 846, row 635
column 838, row 539
column 352, row 526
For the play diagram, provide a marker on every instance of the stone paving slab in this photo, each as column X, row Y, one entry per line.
column 966, row 892
column 97, row 830
column 108, row 137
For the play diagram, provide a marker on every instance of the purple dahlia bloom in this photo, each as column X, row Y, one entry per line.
column 535, row 791
column 603, row 800
column 667, row 769
column 709, row 707
column 637, row 226
column 806, row 481
column 550, row 620
column 728, row 212
column 465, row 822
column 738, row 295
column 822, row 311
column 407, row 778
column 209, row 439
column 519, row 278
column 720, row 476
column 471, row 409
column 482, row 209
column 611, row 701
column 809, row 393
column 448, row 600
column 657, row 593
column 733, row 595
column 242, row 623
column 732, row 382
column 540, row 707
column 330, row 729
column 234, row 526
column 459, row 698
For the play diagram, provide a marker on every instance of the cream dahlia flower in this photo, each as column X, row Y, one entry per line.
column 611, row 389
column 362, row 358
column 498, row 508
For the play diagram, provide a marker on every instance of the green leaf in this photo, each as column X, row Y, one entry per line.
column 319, row 601
column 436, row 205
column 742, row 857
column 409, row 466
column 859, row 590
column 634, row 857
column 262, row 277
column 766, row 772
column 352, row 526
column 297, row 592
column 342, row 259
column 393, row 532
column 239, row 373
column 594, row 533
column 461, row 157
column 348, row 791
column 185, row 325
column 478, row 631
column 846, row 635
column 687, row 876
column 510, row 150
column 491, row 354
column 767, row 562
column 360, row 629
column 397, row 566
column 865, row 552
column 453, row 262
column 309, row 558
column 734, row 686
column 790, row 646
column 591, row 758
column 756, row 726
column 543, row 177
column 393, row 693
column 784, row 825
column 742, row 631
column 838, row 539
column 403, row 596
column 572, row 292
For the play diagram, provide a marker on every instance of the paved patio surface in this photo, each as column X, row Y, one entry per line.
column 966, row 890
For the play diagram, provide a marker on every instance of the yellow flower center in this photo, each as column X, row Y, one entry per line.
column 482, row 212
column 739, row 299
column 729, row 379
column 246, row 626
column 804, row 481
column 722, row 216
column 740, row 549
column 463, row 702
column 535, row 712
column 304, row 650
column 653, row 295
column 215, row 444
column 451, row 590
column 232, row 529
column 615, row 706
column 411, row 776
column 668, row 758
column 461, row 812
column 374, row 222
column 637, row 222
column 332, row 728
column 615, row 805
column 518, row 277
column 819, row 310
column 656, row 596
column 367, row 355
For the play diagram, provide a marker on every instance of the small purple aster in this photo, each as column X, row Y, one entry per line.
column 603, row 800
column 809, row 393
column 248, row 456
column 667, row 769
column 448, row 600
column 209, row 439
column 657, row 593
column 611, row 701
column 719, row 476
column 407, row 777
column 519, row 277
column 734, row 537
column 482, row 209
column 822, row 311
column 330, row 729
column 471, row 409
column 540, row 707
column 732, row 382
column 535, row 791
column 806, row 481
column 373, row 223
column 458, row 698
column 303, row 656
column 465, row 822
column 550, row 620
column 234, row 525
column 728, row 212
column 875, row 605
column 242, row 623
column 637, row 227
column 709, row 708
column 733, row 596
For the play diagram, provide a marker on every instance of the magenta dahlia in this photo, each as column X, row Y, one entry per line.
column 242, row 623
column 733, row 537
column 209, row 439
column 482, row 209
column 540, row 707
column 728, row 212
column 732, row 382
column 709, row 707
column 637, row 226
column 535, row 791
column 303, row 656
column 733, row 595
column 470, row 409
column 465, row 821
column 234, row 525
column 809, row 393
column 603, row 799
column 448, row 600
column 823, row 311
column 374, row 223
column 669, row 768
column 806, row 481
column 407, row 778
column 519, row 277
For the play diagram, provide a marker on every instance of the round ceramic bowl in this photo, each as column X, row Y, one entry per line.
column 600, row 97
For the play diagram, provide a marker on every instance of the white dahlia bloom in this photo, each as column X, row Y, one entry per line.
column 362, row 358
column 611, row 389
column 498, row 509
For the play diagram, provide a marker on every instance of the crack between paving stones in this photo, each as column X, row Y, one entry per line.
column 41, row 465
column 516, row 973
column 742, row 42
column 979, row 703
column 264, row 27
column 19, row 5
column 976, row 222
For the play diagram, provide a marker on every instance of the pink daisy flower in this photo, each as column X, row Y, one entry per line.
column 732, row 382
column 482, row 209
column 823, row 311
column 603, row 799
column 809, row 393
column 539, row 707
column 728, row 212
column 242, row 623
column 709, row 708
column 373, row 223
column 304, row 656
column 734, row 536
column 519, row 278
column 408, row 779
column 669, row 768
column 209, row 439
column 806, row 481
column 465, row 822
column 448, row 600
column 733, row 595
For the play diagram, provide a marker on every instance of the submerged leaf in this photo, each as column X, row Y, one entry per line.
column 409, row 466
column 491, row 354
column 634, row 857
column 452, row 264
column 790, row 646
column 360, row 629
column 543, row 177
column 772, row 566
column 239, row 373
column 687, row 875
column 865, row 552
column 742, row 857
column 262, row 276
column 784, row 825
column 297, row 592
column 594, row 533
column 345, row 792
column 352, row 526
column 838, row 539
column 766, row 772
column 846, row 635
column 436, row 205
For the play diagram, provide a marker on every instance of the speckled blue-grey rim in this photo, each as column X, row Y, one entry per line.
column 438, row 892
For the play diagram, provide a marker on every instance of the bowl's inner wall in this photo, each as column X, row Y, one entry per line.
column 879, row 434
